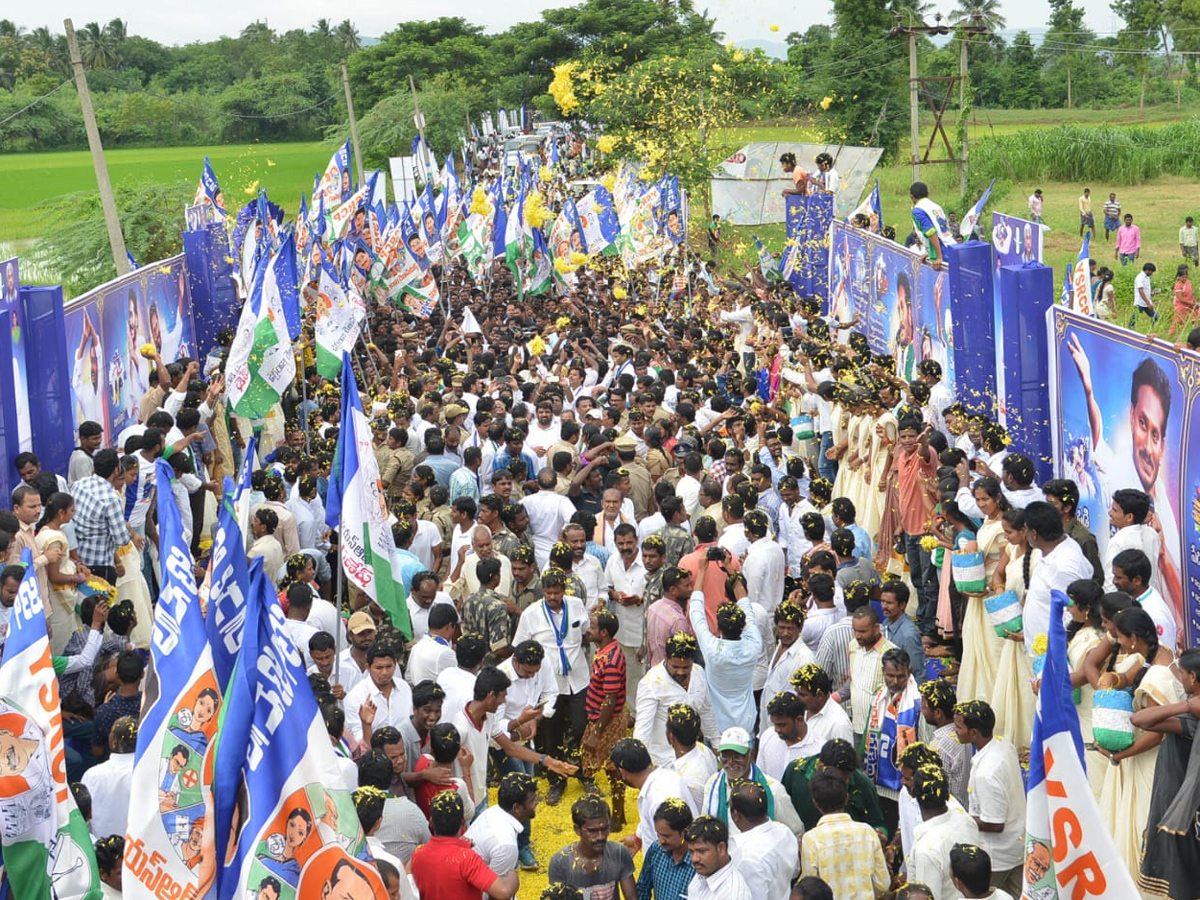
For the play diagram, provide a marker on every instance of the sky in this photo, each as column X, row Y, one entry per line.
column 179, row 23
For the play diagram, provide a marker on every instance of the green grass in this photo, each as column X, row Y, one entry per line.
column 285, row 170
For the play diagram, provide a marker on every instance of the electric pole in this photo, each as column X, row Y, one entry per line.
column 112, row 221
column 353, row 123
column 419, row 121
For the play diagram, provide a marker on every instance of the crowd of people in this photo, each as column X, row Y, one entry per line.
column 705, row 545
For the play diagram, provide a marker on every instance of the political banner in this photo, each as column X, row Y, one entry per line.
column 14, row 311
column 901, row 304
column 106, row 329
column 1123, row 418
column 170, row 846
column 47, row 849
column 293, row 834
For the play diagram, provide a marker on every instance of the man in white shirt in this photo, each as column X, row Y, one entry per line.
column 494, row 831
column 716, row 877
column 1062, row 562
column 675, row 680
column 532, row 694
column 425, row 594
column 558, row 623
column 544, row 433
column 109, row 783
column 434, row 652
column 625, row 576
column 584, row 565
column 1131, row 574
column 548, row 513
column 299, row 597
column 786, row 737
column 942, row 826
column 825, row 717
column 734, row 751
column 996, row 793
column 378, row 699
column 654, row 785
column 458, row 680
column 765, row 565
column 1127, row 513
column 694, row 761
column 787, row 655
column 688, row 488
column 764, row 851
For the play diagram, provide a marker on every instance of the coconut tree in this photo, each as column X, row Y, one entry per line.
column 347, row 36
column 987, row 11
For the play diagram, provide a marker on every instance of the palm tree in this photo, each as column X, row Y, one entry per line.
column 987, row 11
column 53, row 45
column 96, row 46
column 257, row 31
column 347, row 36
column 323, row 29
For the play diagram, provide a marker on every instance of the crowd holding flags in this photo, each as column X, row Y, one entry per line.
column 182, row 698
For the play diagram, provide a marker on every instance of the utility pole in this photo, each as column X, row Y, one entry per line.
column 965, row 32
column 112, row 221
column 353, row 123
column 912, row 31
column 914, row 114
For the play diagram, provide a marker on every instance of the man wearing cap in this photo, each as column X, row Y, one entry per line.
column 351, row 665
column 733, row 749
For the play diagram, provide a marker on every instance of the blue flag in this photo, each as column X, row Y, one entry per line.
column 181, row 703
column 1064, row 828
column 228, row 576
column 975, row 213
column 1081, row 280
column 209, row 196
column 296, row 829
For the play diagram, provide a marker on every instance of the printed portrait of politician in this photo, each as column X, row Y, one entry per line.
column 1135, row 457
column 85, row 377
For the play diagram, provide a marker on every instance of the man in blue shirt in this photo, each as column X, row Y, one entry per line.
column 667, row 865
column 899, row 628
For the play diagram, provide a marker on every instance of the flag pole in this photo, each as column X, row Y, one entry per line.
column 303, row 392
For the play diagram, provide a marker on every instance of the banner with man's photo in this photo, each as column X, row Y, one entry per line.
column 900, row 304
column 106, row 330
column 1126, row 414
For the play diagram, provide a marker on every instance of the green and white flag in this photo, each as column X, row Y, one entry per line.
column 261, row 362
column 47, row 850
column 518, row 243
column 340, row 315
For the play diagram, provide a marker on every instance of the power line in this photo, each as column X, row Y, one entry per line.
column 294, row 112
column 34, row 103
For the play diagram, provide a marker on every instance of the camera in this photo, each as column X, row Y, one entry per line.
column 716, row 554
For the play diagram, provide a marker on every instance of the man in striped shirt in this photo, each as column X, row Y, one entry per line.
column 604, row 704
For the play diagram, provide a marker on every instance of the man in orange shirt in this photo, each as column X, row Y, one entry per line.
column 915, row 468
column 705, row 533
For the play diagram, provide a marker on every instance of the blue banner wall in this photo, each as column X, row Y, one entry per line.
column 50, row 418
column 1029, row 291
column 104, row 330
column 902, row 306
column 1126, row 414
column 1015, row 242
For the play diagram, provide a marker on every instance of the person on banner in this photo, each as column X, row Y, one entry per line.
column 1137, row 461
column 85, row 379
column 932, row 227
